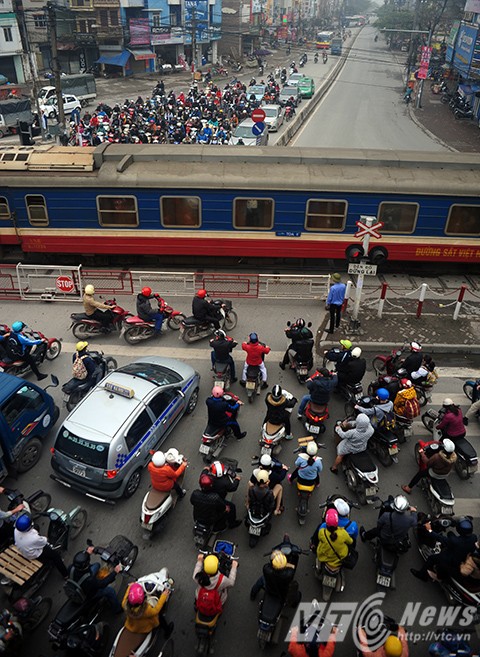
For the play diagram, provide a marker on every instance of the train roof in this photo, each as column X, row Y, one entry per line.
column 271, row 168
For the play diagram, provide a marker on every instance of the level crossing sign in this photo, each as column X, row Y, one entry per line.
column 372, row 231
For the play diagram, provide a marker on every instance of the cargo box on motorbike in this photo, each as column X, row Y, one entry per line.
column 27, row 413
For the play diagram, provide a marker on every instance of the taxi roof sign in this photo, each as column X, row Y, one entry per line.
column 117, row 389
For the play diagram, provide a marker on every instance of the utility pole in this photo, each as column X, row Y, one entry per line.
column 194, row 43
column 413, row 41
column 52, row 22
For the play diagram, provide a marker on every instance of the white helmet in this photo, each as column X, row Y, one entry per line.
column 89, row 289
column 356, row 352
column 172, row 456
column 158, row 459
column 447, row 401
column 262, row 476
column 312, row 448
column 342, row 507
column 400, row 503
column 265, row 460
column 448, row 446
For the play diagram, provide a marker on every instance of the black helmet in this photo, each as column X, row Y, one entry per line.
column 324, row 372
column 300, row 322
column 81, row 561
column 464, row 526
column 277, row 393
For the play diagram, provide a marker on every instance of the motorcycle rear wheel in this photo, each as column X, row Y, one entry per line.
column 40, row 505
column 73, row 400
column 175, row 322
column 379, row 365
column 82, row 330
column 136, row 334
column 189, row 335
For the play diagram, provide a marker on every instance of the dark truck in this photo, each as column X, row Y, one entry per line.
column 12, row 111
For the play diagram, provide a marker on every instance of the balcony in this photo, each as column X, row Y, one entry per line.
column 109, row 32
column 106, row 3
column 130, row 4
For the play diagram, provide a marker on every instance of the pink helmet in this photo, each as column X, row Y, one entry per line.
column 331, row 518
column 136, row 594
column 217, row 391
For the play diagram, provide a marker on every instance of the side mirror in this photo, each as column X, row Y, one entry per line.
column 289, row 323
column 180, row 393
column 309, row 325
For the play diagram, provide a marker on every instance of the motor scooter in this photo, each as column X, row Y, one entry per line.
column 214, row 438
column 466, row 464
column 127, row 642
column 304, row 492
column 155, row 506
column 193, row 329
column 253, row 382
column 361, row 475
column 136, row 329
column 24, row 617
column 222, row 375
column 49, row 349
column 436, row 489
column 315, row 416
column 257, row 526
column 205, row 626
column 84, row 327
column 383, row 442
column 75, row 389
column 270, row 607
column 273, row 434
column 79, row 610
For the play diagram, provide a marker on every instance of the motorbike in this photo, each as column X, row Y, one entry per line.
column 315, row 416
column 466, row 464
column 222, row 375
column 253, row 382
column 155, row 506
column 403, row 428
column 332, row 579
column 462, row 591
column 77, row 612
column 126, row 642
column 304, row 492
column 386, row 557
column 76, row 389
column 289, row 112
column 325, row 57
column 300, row 364
column 383, row 443
column 205, row 626
column 84, row 327
column 62, row 527
column 315, row 58
column 469, row 387
column 26, row 615
column 49, row 349
column 361, row 476
column 389, row 364
column 437, row 490
column 273, row 434
column 89, row 640
column 392, row 383
column 257, row 526
column 193, row 329
column 283, row 78
column 386, row 627
column 463, row 111
column 214, row 438
column 270, row 607
column 351, row 392
column 34, row 504
column 136, row 330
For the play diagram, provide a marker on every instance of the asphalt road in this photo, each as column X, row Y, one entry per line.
column 364, row 107
column 236, row 635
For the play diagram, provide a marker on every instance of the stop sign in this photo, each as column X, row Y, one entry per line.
column 258, row 115
column 64, row 284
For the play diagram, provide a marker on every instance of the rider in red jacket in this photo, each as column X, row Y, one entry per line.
column 166, row 469
column 256, row 352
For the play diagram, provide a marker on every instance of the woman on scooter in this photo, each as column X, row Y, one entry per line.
column 207, row 576
column 354, row 438
column 451, row 425
column 308, row 466
column 333, row 541
column 142, row 617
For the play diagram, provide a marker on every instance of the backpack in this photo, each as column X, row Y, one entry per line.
column 13, row 347
column 388, row 420
column 209, row 602
column 411, row 409
column 73, row 590
column 78, row 368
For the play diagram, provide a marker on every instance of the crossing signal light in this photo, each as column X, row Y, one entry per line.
column 354, row 252
column 376, row 256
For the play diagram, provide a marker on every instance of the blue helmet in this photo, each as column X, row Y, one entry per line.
column 23, row 522
column 17, row 326
column 383, row 394
column 253, row 337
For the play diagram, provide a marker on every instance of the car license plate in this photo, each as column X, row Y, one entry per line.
column 204, row 449
column 393, row 450
column 265, row 450
column 302, row 370
column 383, row 580
column 313, row 428
column 371, row 491
column 329, row 581
column 250, row 385
column 79, row 470
column 254, row 531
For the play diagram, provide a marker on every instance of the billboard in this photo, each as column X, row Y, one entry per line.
column 196, row 10
column 139, row 32
column 464, row 47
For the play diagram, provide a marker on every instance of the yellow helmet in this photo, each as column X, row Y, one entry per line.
column 81, row 345
column 393, row 647
column 210, row 564
column 89, row 289
column 278, row 559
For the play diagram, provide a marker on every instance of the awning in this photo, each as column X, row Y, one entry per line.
column 116, row 60
column 142, row 53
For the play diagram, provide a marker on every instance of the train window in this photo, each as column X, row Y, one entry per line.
column 37, row 210
column 325, row 215
column 398, row 217
column 180, row 211
column 253, row 213
column 463, row 220
column 4, row 209
column 117, row 210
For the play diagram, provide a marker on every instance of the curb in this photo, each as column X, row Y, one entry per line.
column 439, row 348
column 429, row 134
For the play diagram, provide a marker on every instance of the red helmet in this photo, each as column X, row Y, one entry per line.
column 217, row 469
column 217, row 391
column 136, row 594
column 202, row 294
column 205, row 482
column 331, row 518
column 405, row 383
column 147, row 291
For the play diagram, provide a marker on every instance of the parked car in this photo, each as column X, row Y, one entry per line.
column 289, row 92
column 243, row 135
column 258, row 90
column 50, row 107
column 274, row 115
column 105, row 442
column 306, row 86
column 294, row 79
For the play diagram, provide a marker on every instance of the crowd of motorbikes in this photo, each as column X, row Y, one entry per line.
column 78, row 628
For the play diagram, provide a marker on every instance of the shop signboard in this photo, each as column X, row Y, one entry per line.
column 196, row 11
column 139, row 32
column 464, row 48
